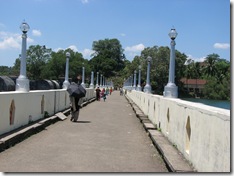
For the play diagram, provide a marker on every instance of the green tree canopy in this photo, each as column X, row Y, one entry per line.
column 37, row 57
column 108, row 57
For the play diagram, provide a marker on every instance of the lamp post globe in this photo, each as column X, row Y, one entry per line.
column 171, row 90
column 173, row 34
column 68, row 54
column 24, row 27
column 22, row 82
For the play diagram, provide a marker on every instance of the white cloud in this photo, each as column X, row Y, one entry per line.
column 190, row 57
column 36, row 32
column 57, row 49
column 87, row 53
column 132, row 51
column 135, row 48
column 85, row 1
column 11, row 41
column 221, row 45
column 123, row 35
column 74, row 48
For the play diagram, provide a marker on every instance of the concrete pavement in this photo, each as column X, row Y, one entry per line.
column 107, row 138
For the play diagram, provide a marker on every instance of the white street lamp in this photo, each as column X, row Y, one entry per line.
column 83, row 76
column 91, row 84
column 97, row 80
column 134, row 85
column 147, row 88
column 66, row 82
column 139, row 79
column 171, row 90
column 22, row 82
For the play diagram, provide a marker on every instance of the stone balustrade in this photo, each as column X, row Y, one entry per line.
column 21, row 108
column 200, row 132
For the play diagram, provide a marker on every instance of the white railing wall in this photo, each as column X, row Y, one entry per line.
column 31, row 106
column 200, row 132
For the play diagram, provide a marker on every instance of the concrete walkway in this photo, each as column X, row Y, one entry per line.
column 107, row 138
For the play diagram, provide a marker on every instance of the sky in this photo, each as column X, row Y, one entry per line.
column 203, row 26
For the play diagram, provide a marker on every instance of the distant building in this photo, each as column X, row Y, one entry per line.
column 193, row 85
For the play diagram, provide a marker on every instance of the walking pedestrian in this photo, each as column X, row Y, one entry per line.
column 111, row 90
column 104, row 94
column 98, row 94
column 121, row 91
column 107, row 91
column 75, row 102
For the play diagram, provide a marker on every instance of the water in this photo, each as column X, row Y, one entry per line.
column 216, row 103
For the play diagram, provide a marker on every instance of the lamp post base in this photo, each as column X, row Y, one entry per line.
column 65, row 84
column 83, row 84
column 147, row 88
column 138, row 88
column 22, row 85
column 170, row 91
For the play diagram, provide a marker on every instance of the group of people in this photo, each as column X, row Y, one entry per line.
column 76, row 102
column 103, row 93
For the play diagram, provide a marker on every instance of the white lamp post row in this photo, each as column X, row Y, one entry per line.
column 170, row 90
column 22, row 82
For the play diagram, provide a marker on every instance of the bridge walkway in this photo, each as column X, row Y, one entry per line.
column 107, row 138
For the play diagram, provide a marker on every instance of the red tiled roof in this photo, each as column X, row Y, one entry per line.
column 193, row 81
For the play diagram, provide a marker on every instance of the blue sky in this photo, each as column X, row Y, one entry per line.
column 203, row 26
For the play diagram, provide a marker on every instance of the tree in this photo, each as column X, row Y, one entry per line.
column 55, row 67
column 37, row 57
column 5, row 70
column 210, row 64
column 108, row 57
column 16, row 68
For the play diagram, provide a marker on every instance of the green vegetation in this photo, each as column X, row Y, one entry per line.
column 109, row 60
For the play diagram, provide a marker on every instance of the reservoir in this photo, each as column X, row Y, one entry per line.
column 225, row 104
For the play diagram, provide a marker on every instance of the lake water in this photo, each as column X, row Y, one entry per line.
column 216, row 103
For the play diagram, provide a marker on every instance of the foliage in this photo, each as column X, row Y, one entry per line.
column 4, row 70
column 216, row 91
column 217, row 73
column 37, row 58
column 109, row 60
column 159, row 66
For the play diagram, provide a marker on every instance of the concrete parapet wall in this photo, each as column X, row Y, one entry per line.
column 200, row 132
column 19, row 109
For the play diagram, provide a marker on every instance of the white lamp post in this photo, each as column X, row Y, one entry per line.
column 101, row 81
column 147, row 88
column 97, row 80
column 91, row 84
column 22, row 82
column 171, row 90
column 134, row 86
column 139, row 79
column 83, row 76
column 66, row 82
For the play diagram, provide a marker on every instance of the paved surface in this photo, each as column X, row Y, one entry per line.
column 107, row 138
